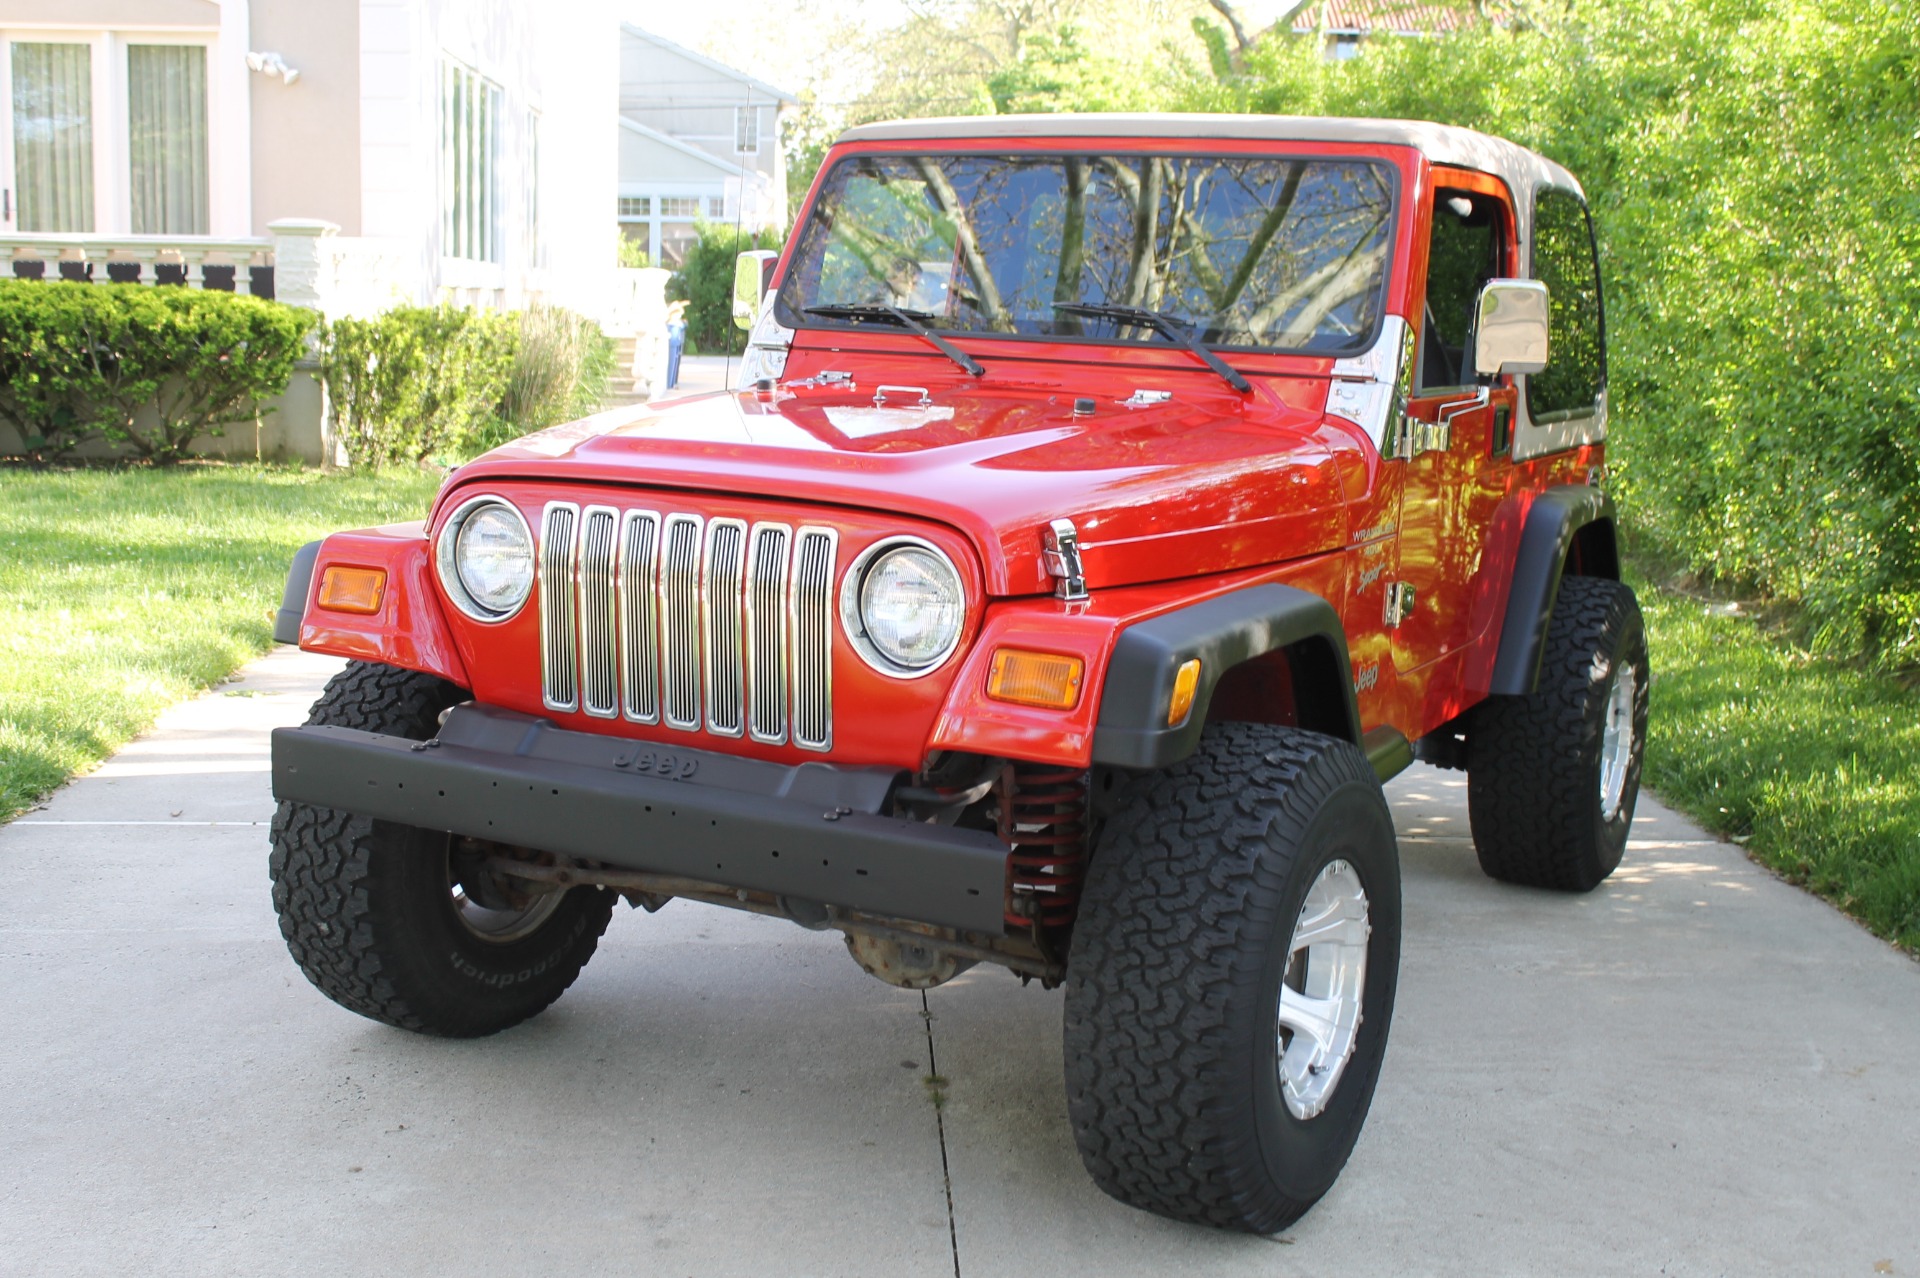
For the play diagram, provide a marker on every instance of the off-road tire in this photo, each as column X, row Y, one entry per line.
column 366, row 906
column 1174, row 972
column 1533, row 762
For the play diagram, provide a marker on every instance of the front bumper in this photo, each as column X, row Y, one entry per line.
column 811, row 832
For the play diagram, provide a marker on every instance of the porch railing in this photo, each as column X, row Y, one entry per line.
column 230, row 265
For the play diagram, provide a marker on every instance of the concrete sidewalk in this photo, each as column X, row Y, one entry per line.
column 1695, row 1070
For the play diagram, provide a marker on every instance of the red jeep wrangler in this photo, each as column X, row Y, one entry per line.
column 1109, row 506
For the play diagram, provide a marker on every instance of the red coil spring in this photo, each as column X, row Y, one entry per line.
column 1044, row 818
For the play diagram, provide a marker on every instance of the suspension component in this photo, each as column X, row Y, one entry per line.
column 1043, row 818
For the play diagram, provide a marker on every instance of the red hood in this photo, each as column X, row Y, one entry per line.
column 1206, row 482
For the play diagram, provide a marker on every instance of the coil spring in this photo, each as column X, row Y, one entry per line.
column 1044, row 818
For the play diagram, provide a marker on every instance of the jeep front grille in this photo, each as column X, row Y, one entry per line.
column 689, row 622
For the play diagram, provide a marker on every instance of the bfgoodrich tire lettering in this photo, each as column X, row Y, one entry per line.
column 1545, row 809
column 1177, row 961
column 368, row 907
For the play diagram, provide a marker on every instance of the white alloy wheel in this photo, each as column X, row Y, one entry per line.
column 1617, row 741
column 1318, row 1018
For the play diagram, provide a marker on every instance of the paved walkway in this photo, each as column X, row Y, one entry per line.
column 1695, row 1070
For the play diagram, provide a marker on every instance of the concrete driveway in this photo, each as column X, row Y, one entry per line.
column 1695, row 1070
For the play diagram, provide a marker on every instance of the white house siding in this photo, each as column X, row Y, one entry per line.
column 554, row 60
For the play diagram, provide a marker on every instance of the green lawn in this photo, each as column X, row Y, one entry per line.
column 1814, row 767
column 124, row 591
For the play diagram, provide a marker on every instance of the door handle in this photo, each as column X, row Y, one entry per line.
column 1454, row 408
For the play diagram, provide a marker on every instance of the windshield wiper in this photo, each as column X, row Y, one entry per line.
column 909, row 320
column 1169, row 326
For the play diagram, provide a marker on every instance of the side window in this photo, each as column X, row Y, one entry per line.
column 1566, row 261
column 1465, row 251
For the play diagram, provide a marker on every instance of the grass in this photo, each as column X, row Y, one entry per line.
column 1814, row 766
column 124, row 591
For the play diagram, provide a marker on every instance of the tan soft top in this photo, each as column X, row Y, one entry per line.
column 1523, row 171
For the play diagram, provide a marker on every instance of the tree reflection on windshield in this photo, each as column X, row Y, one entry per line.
column 1250, row 251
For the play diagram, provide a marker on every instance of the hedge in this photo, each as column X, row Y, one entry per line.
column 80, row 362
column 419, row 382
column 705, row 283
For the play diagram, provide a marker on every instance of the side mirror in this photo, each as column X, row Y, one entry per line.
column 1510, row 328
column 752, row 275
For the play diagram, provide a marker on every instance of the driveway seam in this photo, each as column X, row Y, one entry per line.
column 940, row 1125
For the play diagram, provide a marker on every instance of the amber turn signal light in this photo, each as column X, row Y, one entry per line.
column 1036, row 679
column 359, row 590
column 1186, row 682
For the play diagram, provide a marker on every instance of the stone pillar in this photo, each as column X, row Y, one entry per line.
column 303, row 262
column 650, row 338
column 303, row 275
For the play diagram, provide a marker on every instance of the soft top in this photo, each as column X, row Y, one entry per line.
column 1521, row 169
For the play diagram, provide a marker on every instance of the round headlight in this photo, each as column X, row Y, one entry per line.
column 486, row 559
column 911, row 607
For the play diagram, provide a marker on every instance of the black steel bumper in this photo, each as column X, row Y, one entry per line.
column 812, row 832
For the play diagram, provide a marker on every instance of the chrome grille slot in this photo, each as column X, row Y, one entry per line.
column 599, row 676
column 699, row 624
column 640, row 615
column 767, row 569
column 811, row 606
column 559, row 642
column 680, row 621
column 726, row 561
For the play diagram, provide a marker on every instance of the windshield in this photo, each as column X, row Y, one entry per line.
column 1259, row 252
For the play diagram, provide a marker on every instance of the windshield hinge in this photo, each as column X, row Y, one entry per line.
column 1062, row 558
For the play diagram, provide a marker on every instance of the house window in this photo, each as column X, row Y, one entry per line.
column 679, row 206
column 116, row 133
column 53, row 136
column 469, row 164
column 716, row 206
column 746, row 130
column 167, row 118
column 636, row 206
column 533, row 188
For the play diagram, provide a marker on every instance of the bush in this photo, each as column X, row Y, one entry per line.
column 416, row 381
column 705, row 282
column 561, row 364
column 83, row 361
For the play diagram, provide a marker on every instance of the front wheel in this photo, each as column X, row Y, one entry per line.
column 403, row 924
column 1231, row 979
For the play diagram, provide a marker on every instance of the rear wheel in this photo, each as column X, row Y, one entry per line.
column 405, row 925
column 1552, row 777
column 1231, row 979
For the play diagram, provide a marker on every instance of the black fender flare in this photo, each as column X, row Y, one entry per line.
column 1561, row 518
column 1222, row 632
column 293, row 600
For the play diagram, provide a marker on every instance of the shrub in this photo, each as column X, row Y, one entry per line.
column 705, row 282
column 416, row 380
column 84, row 361
column 561, row 364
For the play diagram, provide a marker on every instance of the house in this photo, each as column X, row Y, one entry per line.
column 699, row 141
column 344, row 154
column 1344, row 24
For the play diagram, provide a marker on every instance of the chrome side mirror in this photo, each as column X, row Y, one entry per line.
column 752, row 274
column 1510, row 328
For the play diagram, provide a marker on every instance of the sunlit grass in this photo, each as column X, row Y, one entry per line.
column 1815, row 767
column 124, row 591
